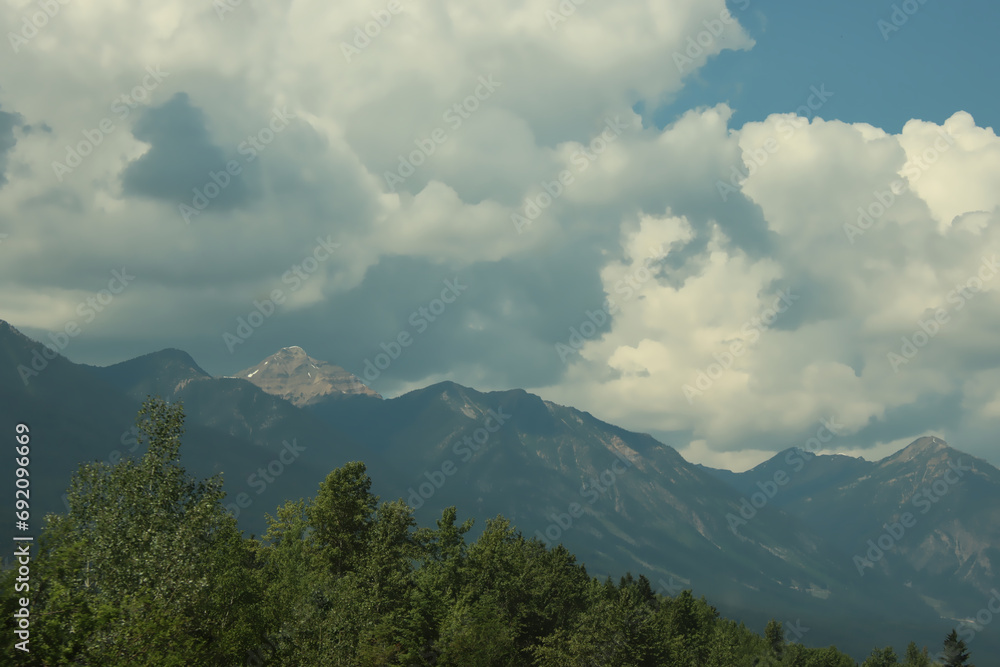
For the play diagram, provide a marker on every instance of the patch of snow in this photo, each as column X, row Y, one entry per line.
column 252, row 374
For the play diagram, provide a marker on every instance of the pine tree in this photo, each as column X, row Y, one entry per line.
column 884, row 657
column 915, row 657
column 774, row 635
column 148, row 568
column 955, row 652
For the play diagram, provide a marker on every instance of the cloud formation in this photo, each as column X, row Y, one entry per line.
column 680, row 235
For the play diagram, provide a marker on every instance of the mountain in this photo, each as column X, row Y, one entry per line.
column 77, row 415
column 828, row 471
column 927, row 517
column 296, row 377
column 264, row 446
column 621, row 501
column 162, row 373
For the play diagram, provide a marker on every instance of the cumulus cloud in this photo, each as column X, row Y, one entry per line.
column 890, row 295
column 420, row 140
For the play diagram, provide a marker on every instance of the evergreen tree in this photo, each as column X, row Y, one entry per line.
column 340, row 517
column 147, row 568
column 955, row 652
column 915, row 657
column 884, row 657
column 774, row 635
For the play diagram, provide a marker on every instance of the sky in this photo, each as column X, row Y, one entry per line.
column 724, row 224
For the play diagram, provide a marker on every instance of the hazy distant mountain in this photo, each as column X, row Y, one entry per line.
column 618, row 500
column 77, row 414
column 659, row 515
column 295, row 376
column 948, row 549
column 266, row 448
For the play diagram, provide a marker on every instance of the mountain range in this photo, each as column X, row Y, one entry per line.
column 843, row 550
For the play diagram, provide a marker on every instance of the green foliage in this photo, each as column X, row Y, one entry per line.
column 955, row 652
column 881, row 657
column 915, row 657
column 147, row 568
column 774, row 635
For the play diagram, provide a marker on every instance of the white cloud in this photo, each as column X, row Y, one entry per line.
column 558, row 89
column 831, row 356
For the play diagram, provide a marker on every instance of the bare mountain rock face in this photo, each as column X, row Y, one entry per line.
column 298, row 378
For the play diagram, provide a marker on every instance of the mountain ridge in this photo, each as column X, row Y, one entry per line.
column 295, row 376
column 640, row 505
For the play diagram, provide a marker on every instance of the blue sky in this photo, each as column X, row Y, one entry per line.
column 940, row 59
column 726, row 270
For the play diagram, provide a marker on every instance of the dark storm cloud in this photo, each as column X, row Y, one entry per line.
column 505, row 323
column 929, row 412
column 181, row 158
column 8, row 123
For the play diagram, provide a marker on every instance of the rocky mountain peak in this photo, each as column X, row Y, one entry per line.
column 921, row 448
column 295, row 376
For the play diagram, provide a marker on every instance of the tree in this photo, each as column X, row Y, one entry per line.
column 915, row 657
column 774, row 635
column 341, row 515
column 690, row 627
column 340, row 568
column 725, row 645
column 955, row 652
column 884, row 657
column 147, row 567
column 479, row 632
